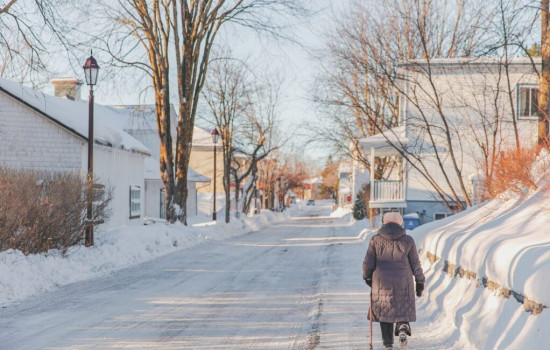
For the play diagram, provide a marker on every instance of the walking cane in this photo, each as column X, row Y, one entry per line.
column 370, row 319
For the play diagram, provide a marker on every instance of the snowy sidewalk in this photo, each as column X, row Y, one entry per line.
column 22, row 275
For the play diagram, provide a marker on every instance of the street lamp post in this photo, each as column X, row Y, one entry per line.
column 215, row 137
column 91, row 69
column 256, row 211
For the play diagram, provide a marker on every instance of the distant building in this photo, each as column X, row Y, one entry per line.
column 312, row 188
column 202, row 159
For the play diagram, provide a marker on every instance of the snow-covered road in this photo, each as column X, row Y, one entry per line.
column 295, row 285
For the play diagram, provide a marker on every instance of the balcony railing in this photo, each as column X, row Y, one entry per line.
column 388, row 190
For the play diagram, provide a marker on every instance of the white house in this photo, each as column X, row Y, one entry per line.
column 140, row 122
column 38, row 131
column 452, row 105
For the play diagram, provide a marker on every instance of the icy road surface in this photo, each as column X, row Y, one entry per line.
column 295, row 285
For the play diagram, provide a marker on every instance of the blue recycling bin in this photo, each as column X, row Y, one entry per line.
column 411, row 223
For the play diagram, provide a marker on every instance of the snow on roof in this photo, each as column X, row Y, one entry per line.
column 477, row 61
column 141, row 117
column 382, row 142
column 152, row 172
column 73, row 115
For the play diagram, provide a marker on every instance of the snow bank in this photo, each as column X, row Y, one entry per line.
column 507, row 242
column 22, row 276
column 503, row 245
column 457, row 314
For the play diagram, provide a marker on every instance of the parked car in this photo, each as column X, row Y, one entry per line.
column 311, row 202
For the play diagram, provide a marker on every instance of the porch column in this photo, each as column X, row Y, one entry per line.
column 404, row 178
column 372, row 187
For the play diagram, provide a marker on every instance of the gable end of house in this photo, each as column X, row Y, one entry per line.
column 45, row 115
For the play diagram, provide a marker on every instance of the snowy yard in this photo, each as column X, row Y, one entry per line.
column 274, row 282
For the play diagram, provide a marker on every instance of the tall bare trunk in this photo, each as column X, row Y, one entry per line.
column 510, row 90
column 162, row 111
column 227, row 188
column 183, row 154
column 543, row 100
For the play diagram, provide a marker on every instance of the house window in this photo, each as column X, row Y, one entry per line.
column 135, row 202
column 527, row 101
column 162, row 203
column 439, row 216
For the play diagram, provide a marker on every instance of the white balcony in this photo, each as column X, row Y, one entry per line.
column 387, row 194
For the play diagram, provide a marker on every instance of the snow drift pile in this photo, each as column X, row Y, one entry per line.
column 501, row 250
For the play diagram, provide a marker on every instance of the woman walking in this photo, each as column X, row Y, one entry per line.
column 389, row 266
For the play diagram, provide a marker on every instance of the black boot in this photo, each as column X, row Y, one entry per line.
column 387, row 334
column 405, row 326
column 402, row 330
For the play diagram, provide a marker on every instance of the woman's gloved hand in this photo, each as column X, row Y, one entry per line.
column 419, row 289
column 368, row 281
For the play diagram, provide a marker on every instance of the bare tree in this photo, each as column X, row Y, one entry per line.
column 355, row 103
column 484, row 115
column 329, row 187
column 149, row 25
column 544, row 89
column 509, row 33
column 259, row 136
column 30, row 30
column 193, row 41
column 295, row 172
column 269, row 170
column 394, row 47
column 163, row 36
column 227, row 96
column 372, row 46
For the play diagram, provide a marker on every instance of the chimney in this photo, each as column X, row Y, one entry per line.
column 68, row 88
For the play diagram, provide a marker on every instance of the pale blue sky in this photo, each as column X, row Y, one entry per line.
column 293, row 62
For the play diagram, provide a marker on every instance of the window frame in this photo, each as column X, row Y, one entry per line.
column 135, row 203
column 531, row 87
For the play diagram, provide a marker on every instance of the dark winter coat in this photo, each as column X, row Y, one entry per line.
column 391, row 262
